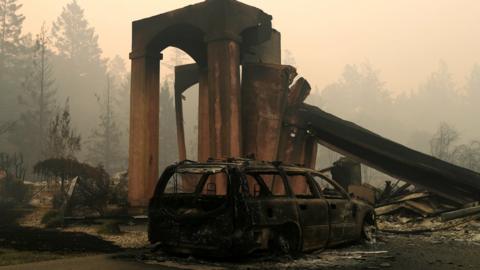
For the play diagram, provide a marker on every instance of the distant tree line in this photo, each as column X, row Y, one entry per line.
column 60, row 98
column 417, row 119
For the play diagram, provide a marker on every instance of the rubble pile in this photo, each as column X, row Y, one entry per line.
column 409, row 210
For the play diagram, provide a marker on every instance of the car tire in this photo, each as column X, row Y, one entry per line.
column 286, row 242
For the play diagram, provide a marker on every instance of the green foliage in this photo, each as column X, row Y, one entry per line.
column 110, row 227
column 53, row 219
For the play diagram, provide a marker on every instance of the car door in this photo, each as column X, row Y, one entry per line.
column 268, row 198
column 340, row 208
column 312, row 209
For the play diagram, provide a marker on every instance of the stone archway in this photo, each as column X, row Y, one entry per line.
column 214, row 33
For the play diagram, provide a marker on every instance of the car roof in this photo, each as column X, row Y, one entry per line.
column 246, row 165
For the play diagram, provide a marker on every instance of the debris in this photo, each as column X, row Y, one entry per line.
column 460, row 213
column 424, row 204
column 363, row 192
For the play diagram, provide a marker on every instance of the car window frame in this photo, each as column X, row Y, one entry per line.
column 330, row 181
column 170, row 172
column 316, row 194
column 264, row 185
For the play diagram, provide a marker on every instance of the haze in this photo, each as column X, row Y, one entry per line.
column 405, row 40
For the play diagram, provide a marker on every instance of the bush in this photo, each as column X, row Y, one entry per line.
column 110, row 227
column 53, row 219
column 15, row 190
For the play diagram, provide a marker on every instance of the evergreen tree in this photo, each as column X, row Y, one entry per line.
column 74, row 39
column 10, row 32
column 63, row 140
column 79, row 68
column 105, row 139
column 11, row 56
column 38, row 99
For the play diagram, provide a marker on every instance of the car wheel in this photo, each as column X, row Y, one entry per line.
column 286, row 242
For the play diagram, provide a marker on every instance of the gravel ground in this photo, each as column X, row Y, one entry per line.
column 397, row 252
column 453, row 248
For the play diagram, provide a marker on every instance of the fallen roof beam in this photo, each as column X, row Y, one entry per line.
column 445, row 179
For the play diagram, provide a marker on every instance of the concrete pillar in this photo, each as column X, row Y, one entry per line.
column 264, row 97
column 144, row 125
column 224, row 98
column 204, row 149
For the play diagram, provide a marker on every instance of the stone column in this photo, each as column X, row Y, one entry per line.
column 224, row 97
column 144, row 125
column 264, row 97
column 224, row 101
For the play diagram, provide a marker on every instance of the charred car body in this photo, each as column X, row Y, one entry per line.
column 238, row 207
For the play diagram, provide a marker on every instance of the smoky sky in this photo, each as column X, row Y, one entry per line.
column 405, row 40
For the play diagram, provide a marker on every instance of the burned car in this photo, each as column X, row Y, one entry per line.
column 236, row 207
